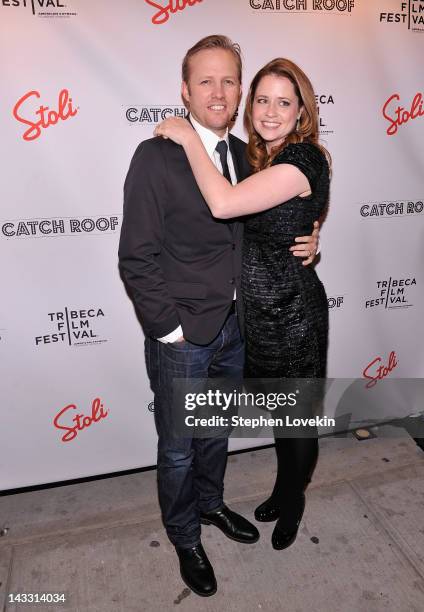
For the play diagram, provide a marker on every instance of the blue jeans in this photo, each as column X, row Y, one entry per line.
column 190, row 470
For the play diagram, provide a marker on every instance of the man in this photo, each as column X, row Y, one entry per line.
column 183, row 269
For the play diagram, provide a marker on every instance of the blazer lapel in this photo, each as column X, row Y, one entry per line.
column 232, row 225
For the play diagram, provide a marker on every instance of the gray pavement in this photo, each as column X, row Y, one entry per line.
column 360, row 546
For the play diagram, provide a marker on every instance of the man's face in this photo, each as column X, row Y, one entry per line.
column 213, row 90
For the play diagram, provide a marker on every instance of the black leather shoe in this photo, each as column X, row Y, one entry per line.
column 268, row 511
column 231, row 524
column 283, row 535
column 420, row 442
column 196, row 570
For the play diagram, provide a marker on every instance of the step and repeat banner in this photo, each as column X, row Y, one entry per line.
column 82, row 83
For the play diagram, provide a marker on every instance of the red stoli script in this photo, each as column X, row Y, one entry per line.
column 376, row 371
column 169, row 8
column 401, row 115
column 44, row 116
column 78, row 422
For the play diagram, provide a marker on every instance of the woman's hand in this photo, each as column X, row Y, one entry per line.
column 307, row 246
column 177, row 129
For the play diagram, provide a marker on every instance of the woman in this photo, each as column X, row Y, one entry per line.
column 286, row 309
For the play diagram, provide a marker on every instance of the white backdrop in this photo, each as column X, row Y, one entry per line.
column 81, row 86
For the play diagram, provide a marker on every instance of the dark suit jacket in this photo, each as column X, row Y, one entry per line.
column 180, row 264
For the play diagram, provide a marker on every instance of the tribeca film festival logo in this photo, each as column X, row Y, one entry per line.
column 398, row 115
column 411, row 14
column 153, row 113
column 72, row 423
column 74, row 327
column 42, row 8
column 377, row 369
column 392, row 293
column 166, row 9
column 44, row 117
column 388, row 209
column 326, row 101
column 49, row 228
column 304, row 6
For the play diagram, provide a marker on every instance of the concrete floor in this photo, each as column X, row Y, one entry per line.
column 360, row 546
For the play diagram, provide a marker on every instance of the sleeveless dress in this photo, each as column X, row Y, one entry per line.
column 286, row 310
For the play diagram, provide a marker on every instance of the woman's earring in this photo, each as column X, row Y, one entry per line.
column 297, row 124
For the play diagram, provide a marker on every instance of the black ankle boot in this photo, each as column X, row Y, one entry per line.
column 268, row 511
column 285, row 531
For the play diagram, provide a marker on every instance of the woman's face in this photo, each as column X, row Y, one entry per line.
column 275, row 109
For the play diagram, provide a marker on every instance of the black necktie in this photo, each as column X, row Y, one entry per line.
column 222, row 149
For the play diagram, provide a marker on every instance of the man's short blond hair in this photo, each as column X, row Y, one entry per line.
column 214, row 41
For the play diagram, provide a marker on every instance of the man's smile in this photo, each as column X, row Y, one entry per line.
column 217, row 107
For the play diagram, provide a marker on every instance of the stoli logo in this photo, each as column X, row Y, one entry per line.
column 80, row 421
column 375, row 372
column 45, row 116
column 173, row 6
column 400, row 116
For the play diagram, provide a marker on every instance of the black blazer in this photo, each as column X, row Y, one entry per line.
column 180, row 264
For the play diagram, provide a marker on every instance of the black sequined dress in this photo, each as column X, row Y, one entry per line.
column 286, row 311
